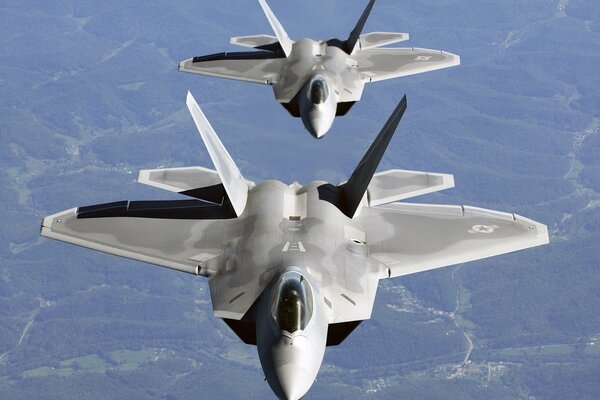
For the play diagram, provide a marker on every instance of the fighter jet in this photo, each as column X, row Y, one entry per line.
column 317, row 80
column 294, row 268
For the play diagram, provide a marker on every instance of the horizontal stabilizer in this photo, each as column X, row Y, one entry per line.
column 179, row 179
column 395, row 185
column 234, row 183
column 256, row 41
column 378, row 39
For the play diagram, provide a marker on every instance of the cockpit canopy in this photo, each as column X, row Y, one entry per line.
column 318, row 90
column 292, row 305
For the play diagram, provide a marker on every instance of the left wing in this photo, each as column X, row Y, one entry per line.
column 252, row 66
column 410, row 238
column 204, row 247
column 383, row 63
column 187, row 245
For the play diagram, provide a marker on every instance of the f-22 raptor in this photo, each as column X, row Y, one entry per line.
column 318, row 80
column 294, row 268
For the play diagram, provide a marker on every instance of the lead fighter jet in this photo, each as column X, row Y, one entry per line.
column 294, row 268
column 317, row 80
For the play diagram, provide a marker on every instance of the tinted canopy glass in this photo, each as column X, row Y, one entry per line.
column 318, row 91
column 292, row 302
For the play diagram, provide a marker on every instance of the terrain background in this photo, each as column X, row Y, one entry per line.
column 90, row 94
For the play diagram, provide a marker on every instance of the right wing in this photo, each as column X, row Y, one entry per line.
column 385, row 63
column 410, row 238
column 253, row 66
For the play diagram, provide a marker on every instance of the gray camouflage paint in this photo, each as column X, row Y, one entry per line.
column 288, row 226
column 345, row 73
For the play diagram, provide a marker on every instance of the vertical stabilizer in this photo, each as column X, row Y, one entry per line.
column 348, row 196
column 231, row 177
column 355, row 34
column 284, row 40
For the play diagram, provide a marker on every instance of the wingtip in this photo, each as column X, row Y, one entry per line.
column 45, row 226
column 456, row 59
column 541, row 229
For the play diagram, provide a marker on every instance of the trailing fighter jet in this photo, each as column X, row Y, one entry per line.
column 318, row 80
column 294, row 268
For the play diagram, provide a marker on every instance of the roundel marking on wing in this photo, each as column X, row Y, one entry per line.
column 483, row 228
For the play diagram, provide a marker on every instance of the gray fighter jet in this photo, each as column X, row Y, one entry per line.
column 294, row 268
column 317, row 80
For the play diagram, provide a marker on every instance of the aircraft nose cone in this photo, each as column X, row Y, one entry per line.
column 318, row 128
column 317, row 119
column 294, row 381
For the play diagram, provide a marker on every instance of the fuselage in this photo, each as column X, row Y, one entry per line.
column 317, row 104
column 312, row 62
column 291, row 332
column 289, row 235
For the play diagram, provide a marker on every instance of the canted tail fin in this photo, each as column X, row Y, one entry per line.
column 347, row 197
column 220, row 194
column 234, row 183
column 285, row 42
column 355, row 34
